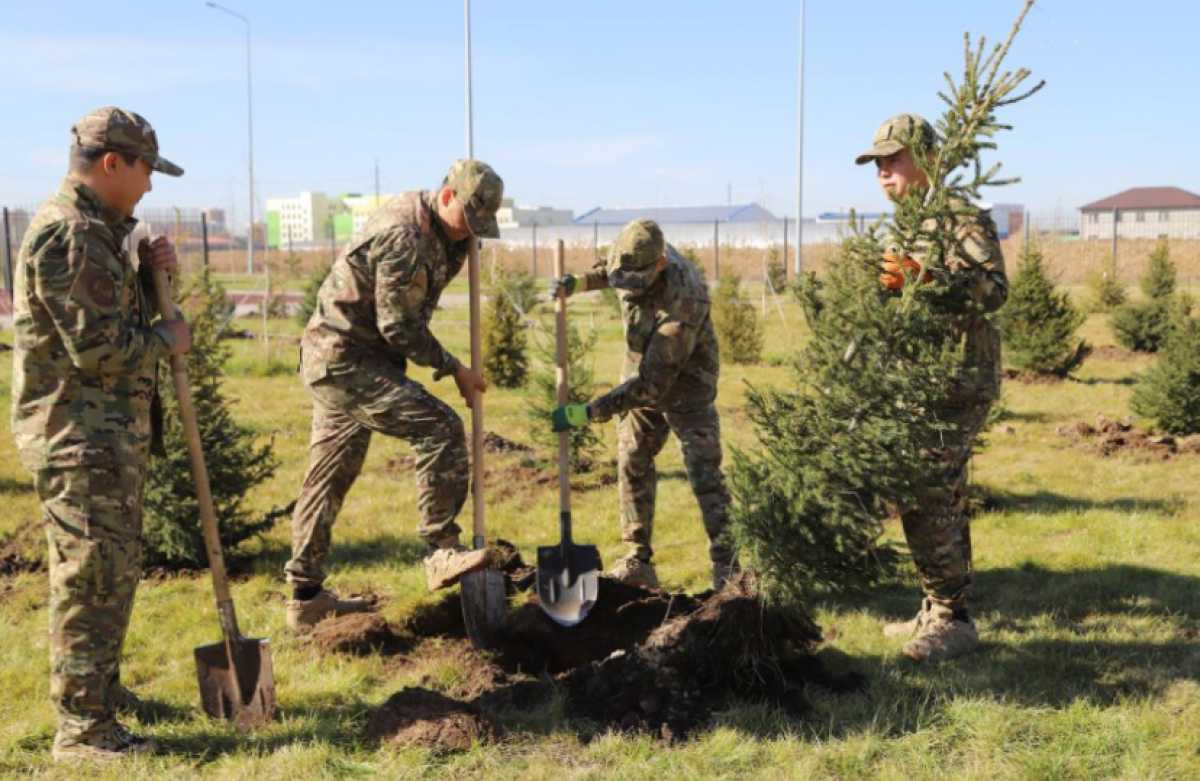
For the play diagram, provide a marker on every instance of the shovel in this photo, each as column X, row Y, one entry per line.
column 236, row 679
column 568, row 575
column 484, row 601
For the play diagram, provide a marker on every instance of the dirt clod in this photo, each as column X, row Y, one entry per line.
column 23, row 550
column 494, row 443
column 359, row 634
column 427, row 719
column 1110, row 437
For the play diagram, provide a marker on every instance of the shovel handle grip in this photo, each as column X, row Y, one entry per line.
column 562, row 391
column 191, row 434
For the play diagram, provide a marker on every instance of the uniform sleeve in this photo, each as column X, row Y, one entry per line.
column 401, row 287
column 594, row 280
column 976, row 265
column 81, row 291
column 670, row 347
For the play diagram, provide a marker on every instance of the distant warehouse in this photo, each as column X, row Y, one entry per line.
column 1143, row 213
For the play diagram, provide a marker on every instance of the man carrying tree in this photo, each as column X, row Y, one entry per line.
column 83, row 416
column 372, row 317
column 936, row 526
column 669, row 383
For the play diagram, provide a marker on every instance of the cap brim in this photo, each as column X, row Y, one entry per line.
column 483, row 227
column 164, row 166
column 882, row 149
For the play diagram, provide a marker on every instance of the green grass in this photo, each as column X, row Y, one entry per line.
column 1088, row 602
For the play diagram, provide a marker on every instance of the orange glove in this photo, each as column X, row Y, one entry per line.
column 894, row 270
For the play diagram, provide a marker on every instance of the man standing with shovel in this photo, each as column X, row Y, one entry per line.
column 372, row 317
column 669, row 384
column 84, row 384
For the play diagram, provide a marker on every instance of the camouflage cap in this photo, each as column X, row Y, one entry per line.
column 899, row 132
column 122, row 131
column 634, row 255
column 480, row 191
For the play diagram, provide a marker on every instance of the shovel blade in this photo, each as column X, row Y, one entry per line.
column 247, row 698
column 568, row 582
column 484, row 605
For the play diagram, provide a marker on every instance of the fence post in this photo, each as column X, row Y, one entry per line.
column 1116, row 216
column 204, row 238
column 8, row 264
column 785, row 255
column 1026, row 226
column 717, row 250
column 533, row 260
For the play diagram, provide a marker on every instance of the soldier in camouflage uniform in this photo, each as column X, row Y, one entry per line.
column 937, row 527
column 84, row 386
column 669, row 384
column 372, row 317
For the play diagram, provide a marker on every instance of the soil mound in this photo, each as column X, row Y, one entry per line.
column 643, row 660
column 23, row 550
column 1110, row 437
column 426, row 719
column 1033, row 378
column 359, row 634
column 494, row 443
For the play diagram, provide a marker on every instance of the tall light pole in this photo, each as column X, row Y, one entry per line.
column 800, row 151
column 249, row 130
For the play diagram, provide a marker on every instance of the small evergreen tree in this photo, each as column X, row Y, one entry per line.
column 1039, row 323
column 736, row 322
column 543, row 395
column 776, row 271
column 505, row 363
column 312, row 288
column 850, row 438
column 235, row 463
column 1106, row 292
column 1169, row 393
column 1145, row 326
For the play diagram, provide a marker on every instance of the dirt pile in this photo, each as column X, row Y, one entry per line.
column 1110, row 437
column 359, row 634
column 23, row 550
column 643, row 660
column 424, row 718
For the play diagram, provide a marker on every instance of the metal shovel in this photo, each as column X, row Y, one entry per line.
column 484, row 601
column 236, row 679
column 568, row 575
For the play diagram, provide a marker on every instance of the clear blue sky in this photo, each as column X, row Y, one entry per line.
column 615, row 103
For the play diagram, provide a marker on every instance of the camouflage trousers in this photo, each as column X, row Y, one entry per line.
column 641, row 434
column 93, row 518
column 348, row 404
column 937, row 527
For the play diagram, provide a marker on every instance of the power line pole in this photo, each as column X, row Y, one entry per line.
column 376, row 204
column 800, row 151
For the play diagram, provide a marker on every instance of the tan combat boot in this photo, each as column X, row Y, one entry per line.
column 941, row 636
column 902, row 630
column 633, row 570
column 447, row 564
column 115, row 744
column 304, row 614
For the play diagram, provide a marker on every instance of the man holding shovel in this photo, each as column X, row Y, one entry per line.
column 937, row 528
column 372, row 317
column 84, row 393
column 669, row 383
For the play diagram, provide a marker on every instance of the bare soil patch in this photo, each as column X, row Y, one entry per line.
column 1032, row 378
column 644, row 660
column 23, row 550
column 427, row 719
column 1110, row 437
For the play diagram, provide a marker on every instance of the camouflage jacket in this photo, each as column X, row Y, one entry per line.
column 85, row 356
column 671, row 357
column 381, row 292
column 979, row 286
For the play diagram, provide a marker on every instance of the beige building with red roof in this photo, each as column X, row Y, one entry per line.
column 1143, row 213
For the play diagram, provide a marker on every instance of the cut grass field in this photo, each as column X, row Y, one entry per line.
column 1087, row 599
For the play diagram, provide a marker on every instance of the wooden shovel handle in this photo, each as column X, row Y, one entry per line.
column 191, row 433
column 560, row 386
column 473, row 282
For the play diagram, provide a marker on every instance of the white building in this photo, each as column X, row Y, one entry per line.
column 299, row 221
column 1143, row 213
column 510, row 215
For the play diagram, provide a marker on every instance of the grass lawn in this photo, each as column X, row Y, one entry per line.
column 1087, row 599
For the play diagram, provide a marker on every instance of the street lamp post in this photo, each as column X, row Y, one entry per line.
column 800, row 152
column 249, row 130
